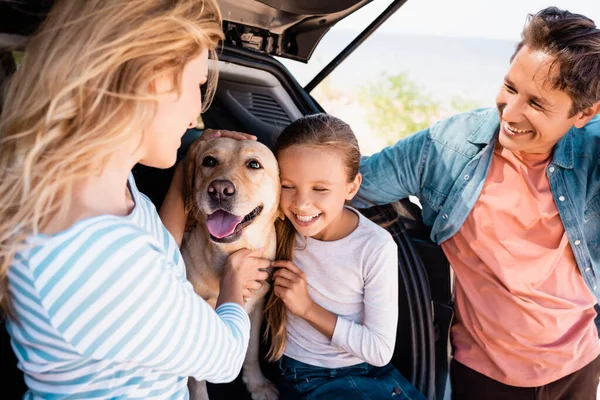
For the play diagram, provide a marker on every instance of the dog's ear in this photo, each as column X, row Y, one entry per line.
column 189, row 165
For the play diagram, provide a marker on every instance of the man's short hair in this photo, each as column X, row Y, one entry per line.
column 573, row 40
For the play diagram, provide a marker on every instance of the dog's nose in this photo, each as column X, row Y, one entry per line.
column 221, row 189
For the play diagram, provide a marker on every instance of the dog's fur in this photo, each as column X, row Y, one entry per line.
column 213, row 170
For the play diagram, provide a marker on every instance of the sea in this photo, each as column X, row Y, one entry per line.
column 444, row 67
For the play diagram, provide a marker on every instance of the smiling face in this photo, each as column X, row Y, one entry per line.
column 175, row 113
column 233, row 186
column 314, row 188
column 533, row 116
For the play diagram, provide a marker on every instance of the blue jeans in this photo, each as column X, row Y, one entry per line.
column 357, row 382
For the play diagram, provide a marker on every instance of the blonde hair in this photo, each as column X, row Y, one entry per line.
column 319, row 131
column 85, row 86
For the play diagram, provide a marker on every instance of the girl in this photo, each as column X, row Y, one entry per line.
column 334, row 308
column 94, row 286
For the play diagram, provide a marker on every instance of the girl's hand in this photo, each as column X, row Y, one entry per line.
column 290, row 285
column 209, row 134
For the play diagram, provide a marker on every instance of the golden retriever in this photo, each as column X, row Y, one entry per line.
column 232, row 194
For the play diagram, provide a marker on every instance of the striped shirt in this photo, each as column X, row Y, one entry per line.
column 104, row 310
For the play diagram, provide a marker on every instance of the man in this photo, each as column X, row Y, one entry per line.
column 513, row 197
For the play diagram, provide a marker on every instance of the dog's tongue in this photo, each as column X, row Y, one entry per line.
column 221, row 223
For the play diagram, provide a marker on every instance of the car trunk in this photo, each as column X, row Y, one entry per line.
column 257, row 94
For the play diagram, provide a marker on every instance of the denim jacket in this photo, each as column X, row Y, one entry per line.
column 446, row 165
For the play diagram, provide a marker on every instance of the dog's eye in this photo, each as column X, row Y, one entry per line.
column 209, row 161
column 253, row 164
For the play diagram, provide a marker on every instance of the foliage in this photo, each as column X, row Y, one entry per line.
column 397, row 107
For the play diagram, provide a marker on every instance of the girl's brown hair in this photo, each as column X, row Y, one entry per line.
column 83, row 89
column 322, row 132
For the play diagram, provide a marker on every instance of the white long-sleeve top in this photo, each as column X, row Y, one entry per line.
column 104, row 310
column 355, row 278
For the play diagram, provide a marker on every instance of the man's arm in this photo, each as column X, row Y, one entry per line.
column 394, row 173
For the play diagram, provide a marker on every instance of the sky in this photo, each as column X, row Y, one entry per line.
column 464, row 18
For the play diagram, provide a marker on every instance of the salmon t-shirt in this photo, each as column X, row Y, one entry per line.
column 524, row 315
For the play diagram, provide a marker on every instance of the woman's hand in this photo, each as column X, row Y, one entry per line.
column 209, row 134
column 290, row 285
column 243, row 274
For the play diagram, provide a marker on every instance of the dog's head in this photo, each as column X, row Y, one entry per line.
column 231, row 186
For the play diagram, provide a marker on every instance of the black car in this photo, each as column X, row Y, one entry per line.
column 257, row 94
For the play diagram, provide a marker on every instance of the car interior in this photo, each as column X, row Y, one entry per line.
column 257, row 94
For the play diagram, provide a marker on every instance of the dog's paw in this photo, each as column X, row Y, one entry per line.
column 266, row 391
column 261, row 388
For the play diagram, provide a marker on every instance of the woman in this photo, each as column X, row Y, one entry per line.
column 93, row 285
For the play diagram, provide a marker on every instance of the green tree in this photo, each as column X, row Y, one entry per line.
column 459, row 104
column 397, row 107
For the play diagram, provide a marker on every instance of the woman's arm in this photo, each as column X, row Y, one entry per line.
column 172, row 211
column 137, row 307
